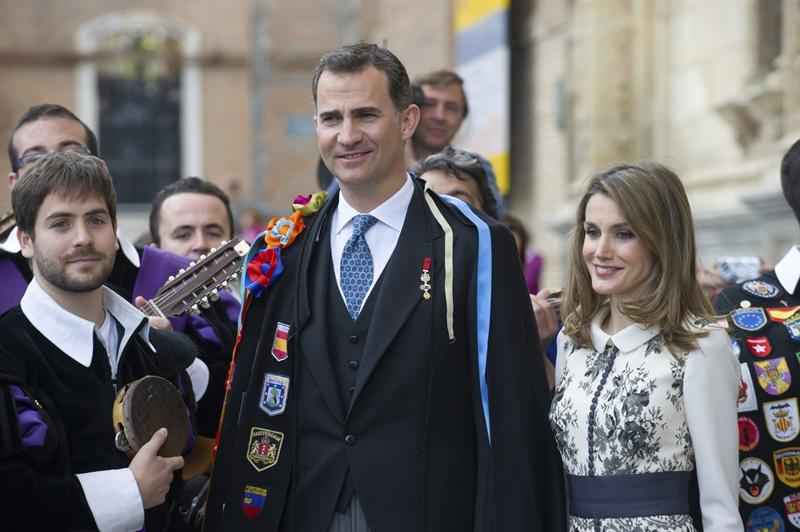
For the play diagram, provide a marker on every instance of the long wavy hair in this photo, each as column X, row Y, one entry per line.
column 654, row 203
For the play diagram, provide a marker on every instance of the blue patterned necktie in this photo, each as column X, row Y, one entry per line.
column 355, row 270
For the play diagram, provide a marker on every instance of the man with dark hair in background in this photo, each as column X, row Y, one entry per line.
column 190, row 217
column 64, row 352
column 368, row 393
column 137, row 273
column 765, row 331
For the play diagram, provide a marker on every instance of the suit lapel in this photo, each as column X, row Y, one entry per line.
column 400, row 291
column 312, row 329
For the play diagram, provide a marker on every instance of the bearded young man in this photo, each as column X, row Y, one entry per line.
column 64, row 352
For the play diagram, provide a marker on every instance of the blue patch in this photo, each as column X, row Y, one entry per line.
column 274, row 394
column 749, row 319
column 765, row 518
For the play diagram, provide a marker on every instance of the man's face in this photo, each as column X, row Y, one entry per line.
column 74, row 245
column 190, row 224
column 441, row 116
column 466, row 189
column 361, row 135
column 46, row 135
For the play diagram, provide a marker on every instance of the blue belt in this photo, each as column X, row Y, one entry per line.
column 642, row 495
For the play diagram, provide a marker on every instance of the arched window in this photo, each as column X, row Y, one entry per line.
column 139, row 89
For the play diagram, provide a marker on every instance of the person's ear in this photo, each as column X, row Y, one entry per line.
column 25, row 244
column 409, row 119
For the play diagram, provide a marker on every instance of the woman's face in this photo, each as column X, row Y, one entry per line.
column 617, row 260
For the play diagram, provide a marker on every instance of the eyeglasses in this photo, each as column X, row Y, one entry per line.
column 33, row 156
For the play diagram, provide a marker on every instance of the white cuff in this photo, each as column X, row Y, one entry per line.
column 199, row 375
column 114, row 499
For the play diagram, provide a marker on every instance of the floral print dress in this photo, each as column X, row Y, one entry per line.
column 621, row 408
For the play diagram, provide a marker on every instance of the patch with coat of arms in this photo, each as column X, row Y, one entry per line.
column 274, row 394
column 264, row 448
column 773, row 375
column 787, row 465
column 792, row 505
column 782, row 420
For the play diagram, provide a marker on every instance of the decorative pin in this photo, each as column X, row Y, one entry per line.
column 744, row 303
column 426, row 278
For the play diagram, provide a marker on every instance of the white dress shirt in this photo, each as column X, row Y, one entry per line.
column 381, row 237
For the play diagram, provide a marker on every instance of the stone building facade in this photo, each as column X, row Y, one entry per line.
column 704, row 87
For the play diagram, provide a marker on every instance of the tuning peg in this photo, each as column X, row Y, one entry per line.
column 202, row 257
column 171, row 278
column 213, row 250
column 194, row 310
column 191, row 264
column 223, row 242
column 214, row 295
column 224, row 284
column 204, row 303
column 234, row 275
column 181, row 271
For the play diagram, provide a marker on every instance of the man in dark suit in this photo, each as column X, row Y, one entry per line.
column 384, row 380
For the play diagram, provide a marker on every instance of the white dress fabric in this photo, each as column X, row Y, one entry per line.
column 627, row 406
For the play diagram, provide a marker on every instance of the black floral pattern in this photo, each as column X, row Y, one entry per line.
column 639, row 423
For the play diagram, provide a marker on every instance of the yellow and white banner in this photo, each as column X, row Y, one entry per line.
column 483, row 60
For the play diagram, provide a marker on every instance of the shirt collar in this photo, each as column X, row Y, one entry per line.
column 625, row 340
column 788, row 269
column 391, row 212
column 72, row 334
column 11, row 245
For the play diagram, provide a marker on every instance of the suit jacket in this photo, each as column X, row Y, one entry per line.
column 412, row 434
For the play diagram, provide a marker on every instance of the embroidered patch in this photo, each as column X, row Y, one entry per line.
column 793, row 328
column 773, row 375
column 781, row 314
column 253, row 501
column 759, row 346
column 274, row 394
column 781, row 418
column 792, row 505
column 749, row 319
column 264, row 448
column 765, row 519
column 748, row 434
column 756, row 480
column 760, row 289
column 787, row 465
column 747, row 393
column 280, row 344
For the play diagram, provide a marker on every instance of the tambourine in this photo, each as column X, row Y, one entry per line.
column 144, row 406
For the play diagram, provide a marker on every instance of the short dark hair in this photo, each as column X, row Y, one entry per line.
column 187, row 185
column 444, row 78
column 48, row 110
column 356, row 57
column 459, row 163
column 790, row 178
column 67, row 174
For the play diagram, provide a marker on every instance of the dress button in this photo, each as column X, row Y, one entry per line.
column 354, row 339
column 350, row 439
column 353, row 364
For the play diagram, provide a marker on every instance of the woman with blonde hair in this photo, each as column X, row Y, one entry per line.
column 646, row 387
